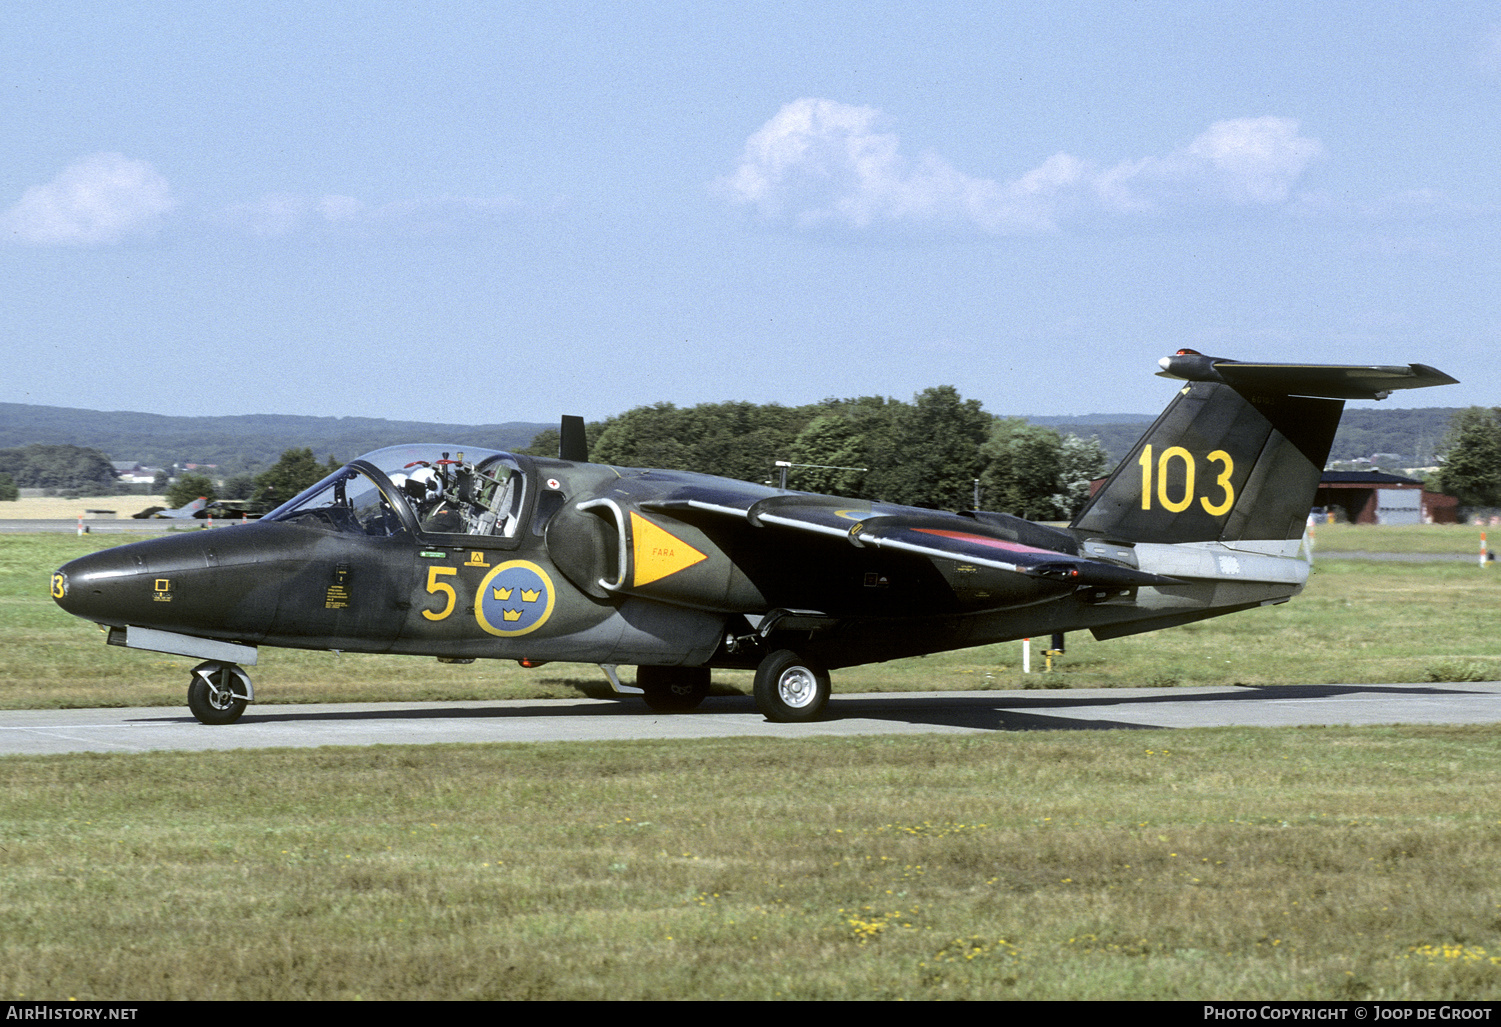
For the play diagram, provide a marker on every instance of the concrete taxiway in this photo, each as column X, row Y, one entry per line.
column 122, row 526
column 586, row 720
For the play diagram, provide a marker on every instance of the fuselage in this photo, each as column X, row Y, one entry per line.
column 462, row 554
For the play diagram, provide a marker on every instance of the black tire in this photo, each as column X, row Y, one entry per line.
column 790, row 689
column 215, row 705
column 673, row 689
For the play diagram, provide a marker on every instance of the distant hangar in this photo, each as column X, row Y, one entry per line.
column 1375, row 497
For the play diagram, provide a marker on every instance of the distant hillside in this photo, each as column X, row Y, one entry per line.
column 254, row 442
column 234, row 444
column 1412, row 434
column 1415, row 435
column 1117, row 432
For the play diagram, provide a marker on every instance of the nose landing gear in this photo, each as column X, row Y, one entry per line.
column 218, row 692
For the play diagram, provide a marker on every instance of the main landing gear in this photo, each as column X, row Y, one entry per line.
column 789, row 689
column 218, row 692
column 673, row 689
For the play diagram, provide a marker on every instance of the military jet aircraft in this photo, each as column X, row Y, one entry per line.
column 193, row 509
column 462, row 553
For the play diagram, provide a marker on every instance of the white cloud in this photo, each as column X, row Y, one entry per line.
column 1243, row 161
column 821, row 161
column 106, row 198
column 101, row 199
column 274, row 214
column 284, row 214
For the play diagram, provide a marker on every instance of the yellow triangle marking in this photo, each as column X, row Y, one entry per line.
column 658, row 553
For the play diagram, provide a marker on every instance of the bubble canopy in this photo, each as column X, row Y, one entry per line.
column 427, row 489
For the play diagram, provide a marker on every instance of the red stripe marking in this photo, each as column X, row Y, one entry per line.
column 992, row 543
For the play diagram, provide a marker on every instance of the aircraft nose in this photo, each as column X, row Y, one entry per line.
column 200, row 581
column 95, row 586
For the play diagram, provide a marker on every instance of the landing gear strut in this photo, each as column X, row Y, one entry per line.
column 673, row 689
column 790, row 689
column 218, row 692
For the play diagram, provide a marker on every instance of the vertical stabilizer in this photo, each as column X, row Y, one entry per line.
column 1238, row 454
column 1218, row 467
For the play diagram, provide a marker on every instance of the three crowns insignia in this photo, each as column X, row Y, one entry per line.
column 527, row 596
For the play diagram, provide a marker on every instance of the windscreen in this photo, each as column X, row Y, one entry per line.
column 348, row 500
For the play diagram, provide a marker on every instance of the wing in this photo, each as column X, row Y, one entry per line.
column 989, row 540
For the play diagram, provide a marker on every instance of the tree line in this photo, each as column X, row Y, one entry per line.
column 930, row 452
column 1471, row 471
column 41, row 466
column 295, row 471
column 65, row 469
column 239, row 448
column 234, row 445
column 939, row 451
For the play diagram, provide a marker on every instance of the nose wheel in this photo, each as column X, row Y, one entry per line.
column 218, row 692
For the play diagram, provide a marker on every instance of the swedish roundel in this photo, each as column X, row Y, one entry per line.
column 514, row 599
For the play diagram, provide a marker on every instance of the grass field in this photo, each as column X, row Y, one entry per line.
column 1418, row 538
column 54, row 508
column 1213, row 863
column 1232, row 864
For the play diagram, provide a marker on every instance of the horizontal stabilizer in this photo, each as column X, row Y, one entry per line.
column 1326, row 381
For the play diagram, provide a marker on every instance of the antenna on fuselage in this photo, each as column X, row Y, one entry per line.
column 573, row 443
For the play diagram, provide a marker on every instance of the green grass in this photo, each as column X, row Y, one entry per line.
column 1225, row 863
column 1357, row 622
column 1415, row 538
column 1233, row 864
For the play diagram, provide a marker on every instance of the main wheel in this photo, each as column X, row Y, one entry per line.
column 211, row 694
column 790, row 689
column 673, row 689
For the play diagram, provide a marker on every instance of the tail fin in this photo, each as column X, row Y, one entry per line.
column 1239, row 452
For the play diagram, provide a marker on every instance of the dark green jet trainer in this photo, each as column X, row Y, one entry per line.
column 463, row 553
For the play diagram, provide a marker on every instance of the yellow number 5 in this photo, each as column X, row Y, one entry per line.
column 435, row 586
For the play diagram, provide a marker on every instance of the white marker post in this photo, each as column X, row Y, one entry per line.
column 1026, row 656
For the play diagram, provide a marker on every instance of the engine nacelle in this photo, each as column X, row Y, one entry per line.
column 608, row 547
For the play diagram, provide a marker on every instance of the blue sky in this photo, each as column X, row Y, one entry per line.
column 475, row 213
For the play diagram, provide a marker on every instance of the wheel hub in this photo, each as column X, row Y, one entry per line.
column 797, row 687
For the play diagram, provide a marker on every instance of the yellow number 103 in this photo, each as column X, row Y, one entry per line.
column 1181, row 503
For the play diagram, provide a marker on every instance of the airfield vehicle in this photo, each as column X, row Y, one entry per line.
column 462, row 553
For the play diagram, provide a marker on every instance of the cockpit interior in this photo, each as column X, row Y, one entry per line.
column 433, row 490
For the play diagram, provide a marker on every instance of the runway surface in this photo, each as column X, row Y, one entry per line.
column 107, row 526
column 586, row 720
